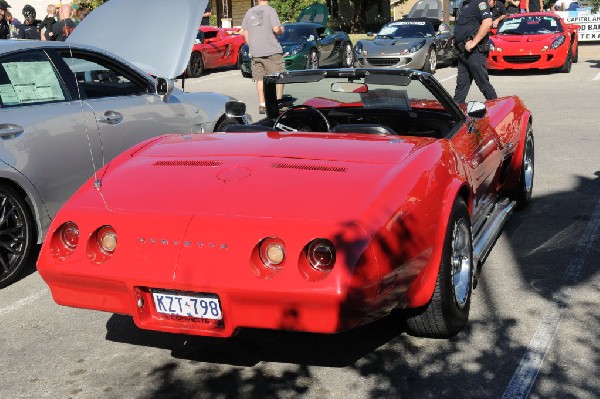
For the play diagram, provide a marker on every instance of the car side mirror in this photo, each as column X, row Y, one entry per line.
column 235, row 109
column 164, row 87
column 310, row 38
column 476, row 109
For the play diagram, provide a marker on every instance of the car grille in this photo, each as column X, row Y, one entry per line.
column 521, row 59
column 383, row 61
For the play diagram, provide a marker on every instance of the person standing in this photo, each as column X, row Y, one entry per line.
column 260, row 25
column 498, row 12
column 31, row 27
column 534, row 5
column 471, row 32
column 13, row 24
column 206, row 15
column 4, row 28
column 512, row 6
column 63, row 28
column 48, row 22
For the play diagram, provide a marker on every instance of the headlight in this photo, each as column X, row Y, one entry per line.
column 358, row 48
column 297, row 49
column 416, row 46
column 557, row 42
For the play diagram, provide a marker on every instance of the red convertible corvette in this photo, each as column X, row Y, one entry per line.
column 540, row 40
column 214, row 48
column 372, row 190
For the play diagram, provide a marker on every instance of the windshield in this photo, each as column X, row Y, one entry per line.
column 373, row 91
column 295, row 34
column 530, row 25
column 407, row 30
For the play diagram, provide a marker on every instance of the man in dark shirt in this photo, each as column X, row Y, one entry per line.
column 4, row 28
column 206, row 15
column 471, row 29
column 63, row 28
column 498, row 12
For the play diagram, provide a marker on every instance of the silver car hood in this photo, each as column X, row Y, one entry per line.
column 157, row 36
column 389, row 46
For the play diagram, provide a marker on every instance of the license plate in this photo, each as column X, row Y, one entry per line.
column 199, row 306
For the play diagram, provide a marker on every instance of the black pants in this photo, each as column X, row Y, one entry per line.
column 472, row 66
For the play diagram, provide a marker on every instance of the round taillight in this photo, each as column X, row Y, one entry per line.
column 272, row 252
column 321, row 255
column 106, row 238
column 69, row 235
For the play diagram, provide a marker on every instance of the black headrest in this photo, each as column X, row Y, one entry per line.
column 246, row 128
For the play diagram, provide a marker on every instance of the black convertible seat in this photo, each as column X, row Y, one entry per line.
column 246, row 128
column 370, row 128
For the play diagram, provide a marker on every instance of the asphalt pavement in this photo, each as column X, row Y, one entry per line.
column 533, row 330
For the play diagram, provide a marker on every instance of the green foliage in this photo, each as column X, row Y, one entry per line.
column 289, row 10
column 89, row 4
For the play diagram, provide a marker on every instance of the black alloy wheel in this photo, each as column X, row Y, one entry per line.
column 195, row 66
column 16, row 235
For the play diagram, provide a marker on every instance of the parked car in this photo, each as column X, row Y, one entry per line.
column 372, row 191
column 68, row 108
column 539, row 40
column 215, row 48
column 309, row 44
column 416, row 43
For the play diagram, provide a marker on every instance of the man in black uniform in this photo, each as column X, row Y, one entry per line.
column 470, row 31
column 4, row 28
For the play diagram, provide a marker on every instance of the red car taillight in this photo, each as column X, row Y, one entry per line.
column 102, row 244
column 321, row 255
column 64, row 241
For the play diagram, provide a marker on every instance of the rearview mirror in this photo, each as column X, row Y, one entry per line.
column 347, row 87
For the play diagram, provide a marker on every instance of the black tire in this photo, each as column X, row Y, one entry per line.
column 522, row 194
column 226, row 121
column 240, row 60
column 575, row 58
column 566, row 68
column 430, row 64
column 347, row 56
column 312, row 60
column 448, row 311
column 195, row 67
column 16, row 235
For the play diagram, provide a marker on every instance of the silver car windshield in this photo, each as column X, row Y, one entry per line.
column 400, row 30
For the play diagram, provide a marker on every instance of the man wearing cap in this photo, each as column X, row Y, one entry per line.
column 4, row 28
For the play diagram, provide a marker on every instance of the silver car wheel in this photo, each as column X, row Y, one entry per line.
column 313, row 60
column 348, row 56
column 461, row 263
column 432, row 60
column 528, row 168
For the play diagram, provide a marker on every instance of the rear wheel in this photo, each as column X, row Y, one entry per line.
column 240, row 60
column 348, row 56
column 576, row 55
column 312, row 61
column 522, row 195
column 448, row 311
column 430, row 61
column 195, row 66
column 16, row 235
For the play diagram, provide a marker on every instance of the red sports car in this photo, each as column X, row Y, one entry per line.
column 364, row 191
column 214, row 48
column 539, row 40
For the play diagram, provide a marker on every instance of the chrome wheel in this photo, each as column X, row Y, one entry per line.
column 312, row 61
column 528, row 162
column 16, row 235
column 432, row 61
column 461, row 263
column 348, row 56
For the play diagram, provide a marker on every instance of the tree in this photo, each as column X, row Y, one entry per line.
column 289, row 10
column 359, row 19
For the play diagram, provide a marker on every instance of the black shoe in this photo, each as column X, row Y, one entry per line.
column 262, row 109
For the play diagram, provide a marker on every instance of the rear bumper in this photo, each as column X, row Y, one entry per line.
column 317, row 312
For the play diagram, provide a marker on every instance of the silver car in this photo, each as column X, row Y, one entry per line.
column 414, row 43
column 67, row 108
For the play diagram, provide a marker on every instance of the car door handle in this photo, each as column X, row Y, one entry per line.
column 111, row 118
column 9, row 131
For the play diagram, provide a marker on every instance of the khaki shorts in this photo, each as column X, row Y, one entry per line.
column 262, row 66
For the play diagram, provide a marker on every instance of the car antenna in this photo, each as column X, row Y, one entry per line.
column 97, row 181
